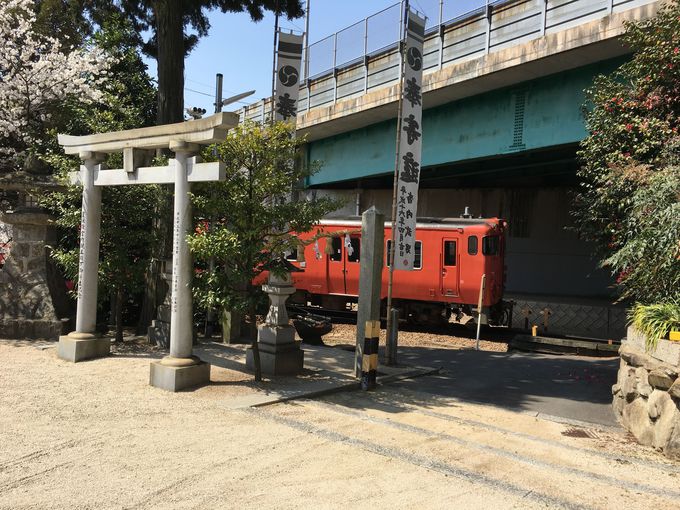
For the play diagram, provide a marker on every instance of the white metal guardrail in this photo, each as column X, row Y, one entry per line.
column 365, row 55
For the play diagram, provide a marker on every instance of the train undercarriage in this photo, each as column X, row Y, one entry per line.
column 423, row 313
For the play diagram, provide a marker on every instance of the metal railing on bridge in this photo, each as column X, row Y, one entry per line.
column 365, row 55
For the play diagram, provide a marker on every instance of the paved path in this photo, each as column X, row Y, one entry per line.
column 573, row 387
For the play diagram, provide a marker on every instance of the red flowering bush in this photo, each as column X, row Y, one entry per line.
column 627, row 203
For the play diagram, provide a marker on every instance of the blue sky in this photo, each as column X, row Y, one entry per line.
column 242, row 50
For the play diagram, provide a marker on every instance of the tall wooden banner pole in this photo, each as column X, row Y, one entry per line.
column 403, row 256
column 390, row 349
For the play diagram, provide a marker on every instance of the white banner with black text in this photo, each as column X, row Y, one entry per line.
column 288, row 63
column 410, row 144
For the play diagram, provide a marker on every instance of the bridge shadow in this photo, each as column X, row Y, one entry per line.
column 572, row 387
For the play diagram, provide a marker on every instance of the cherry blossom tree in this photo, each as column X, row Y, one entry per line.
column 37, row 74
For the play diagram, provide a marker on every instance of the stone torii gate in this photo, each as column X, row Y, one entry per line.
column 180, row 369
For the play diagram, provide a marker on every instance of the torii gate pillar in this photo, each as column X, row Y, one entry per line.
column 180, row 369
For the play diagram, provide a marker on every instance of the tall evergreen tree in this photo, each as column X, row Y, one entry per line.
column 170, row 43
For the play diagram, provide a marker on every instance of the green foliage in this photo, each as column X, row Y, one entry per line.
column 126, row 240
column 656, row 321
column 646, row 260
column 128, row 237
column 254, row 217
column 627, row 204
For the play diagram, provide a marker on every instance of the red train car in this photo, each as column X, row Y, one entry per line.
column 451, row 255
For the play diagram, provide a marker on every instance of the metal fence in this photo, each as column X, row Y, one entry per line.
column 365, row 55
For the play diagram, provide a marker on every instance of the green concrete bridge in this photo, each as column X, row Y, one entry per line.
column 503, row 96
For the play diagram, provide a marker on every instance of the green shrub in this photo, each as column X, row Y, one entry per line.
column 655, row 321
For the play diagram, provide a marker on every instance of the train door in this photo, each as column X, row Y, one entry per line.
column 352, row 256
column 335, row 272
column 449, row 267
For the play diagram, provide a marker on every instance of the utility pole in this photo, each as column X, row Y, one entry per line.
column 210, row 313
column 307, row 43
column 276, row 38
column 218, row 92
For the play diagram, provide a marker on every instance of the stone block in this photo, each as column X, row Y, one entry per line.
column 666, row 351
column 276, row 335
column 230, row 322
column 164, row 313
column 80, row 349
column 171, row 378
column 660, row 379
column 286, row 362
column 159, row 334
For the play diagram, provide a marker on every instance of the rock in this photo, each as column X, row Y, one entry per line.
column 660, row 379
column 674, row 390
column 655, row 403
column 636, row 419
column 618, row 404
column 672, row 448
column 631, row 356
column 669, row 418
column 629, row 388
column 644, row 389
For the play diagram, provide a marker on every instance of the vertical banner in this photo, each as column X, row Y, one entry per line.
column 410, row 144
column 288, row 63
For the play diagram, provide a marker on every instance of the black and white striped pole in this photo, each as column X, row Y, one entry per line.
column 369, row 362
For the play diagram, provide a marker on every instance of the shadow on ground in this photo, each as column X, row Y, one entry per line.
column 572, row 387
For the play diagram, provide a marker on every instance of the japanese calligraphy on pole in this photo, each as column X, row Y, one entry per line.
column 410, row 144
column 289, row 58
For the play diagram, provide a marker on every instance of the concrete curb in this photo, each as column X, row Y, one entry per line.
column 340, row 387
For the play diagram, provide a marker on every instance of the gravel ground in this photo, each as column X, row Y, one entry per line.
column 95, row 435
column 447, row 337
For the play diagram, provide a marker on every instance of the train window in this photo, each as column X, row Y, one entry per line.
column 473, row 245
column 449, row 253
column 490, row 245
column 356, row 245
column 336, row 245
column 417, row 259
column 292, row 255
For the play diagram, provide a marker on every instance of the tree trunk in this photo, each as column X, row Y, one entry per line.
column 170, row 58
column 253, row 341
column 120, row 295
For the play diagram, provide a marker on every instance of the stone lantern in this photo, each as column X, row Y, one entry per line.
column 280, row 353
column 33, row 299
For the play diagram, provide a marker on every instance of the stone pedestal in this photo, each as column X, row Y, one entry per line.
column 177, row 374
column 159, row 331
column 76, row 347
column 27, row 309
column 280, row 354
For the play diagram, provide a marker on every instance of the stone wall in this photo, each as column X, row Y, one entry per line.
column 647, row 393
column 27, row 308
